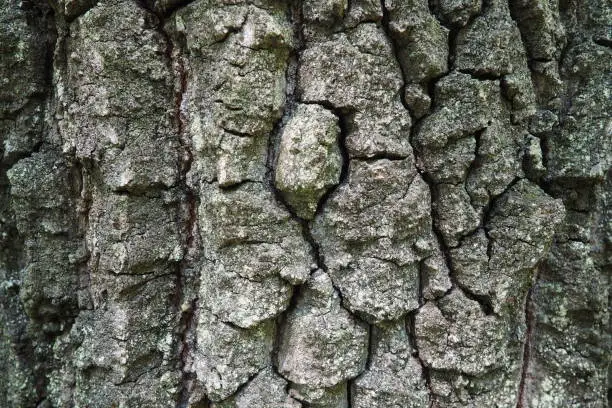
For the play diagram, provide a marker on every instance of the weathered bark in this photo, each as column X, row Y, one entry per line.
column 313, row 203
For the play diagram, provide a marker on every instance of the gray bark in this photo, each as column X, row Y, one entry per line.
column 313, row 203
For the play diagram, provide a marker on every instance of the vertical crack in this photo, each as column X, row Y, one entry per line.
column 394, row 50
column 294, row 12
column 343, row 123
column 425, row 370
column 83, row 169
column 188, row 209
column 349, row 387
column 484, row 302
column 411, row 329
column 527, row 346
column 189, row 216
column 185, row 270
column 292, row 99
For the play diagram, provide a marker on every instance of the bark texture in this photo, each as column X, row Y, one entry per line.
column 309, row 203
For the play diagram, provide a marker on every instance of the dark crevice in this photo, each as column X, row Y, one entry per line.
column 530, row 323
column 152, row 190
column 477, row 162
column 488, row 213
column 484, row 301
column 544, row 182
column 466, row 235
column 480, row 75
column 238, row 134
column 292, row 99
column 295, row 16
column 604, row 42
column 414, row 129
column 431, row 92
column 81, row 8
column 565, row 53
column 304, row 226
column 486, row 305
column 9, row 161
column 189, row 218
column 432, row 6
column 235, row 185
column 523, row 27
column 531, row 60
column 421, row 278
column 84, row 169
column 494, row 200
column 187, row 215
column 230, row 324
column 544, row 147
column 521, row 19
column 371, row 337
column 425, row 370
column 167, row 10
column 381, row 156
column 344, row 170
column 453, row 33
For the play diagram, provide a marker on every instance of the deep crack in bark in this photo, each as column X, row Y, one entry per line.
column 410, row 317
column 292, row 99
column 188, row 208
column 527, row 345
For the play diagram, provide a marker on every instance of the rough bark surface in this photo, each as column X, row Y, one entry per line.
column 309, row 203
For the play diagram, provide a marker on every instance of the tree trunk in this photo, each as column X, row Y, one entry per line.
column 337, row 203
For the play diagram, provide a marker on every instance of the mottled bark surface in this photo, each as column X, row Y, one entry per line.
column 310, row 203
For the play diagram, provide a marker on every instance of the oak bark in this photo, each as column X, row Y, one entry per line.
column 335, row 203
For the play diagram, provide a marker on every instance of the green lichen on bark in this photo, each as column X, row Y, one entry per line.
column 337, row 203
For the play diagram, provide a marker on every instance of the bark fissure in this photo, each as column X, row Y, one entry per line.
column 522, row 401
column 410, row 319
column 218, row 204
column 188, row 210
column 426, row 370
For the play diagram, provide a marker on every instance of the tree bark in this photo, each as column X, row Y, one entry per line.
column 338, row 203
